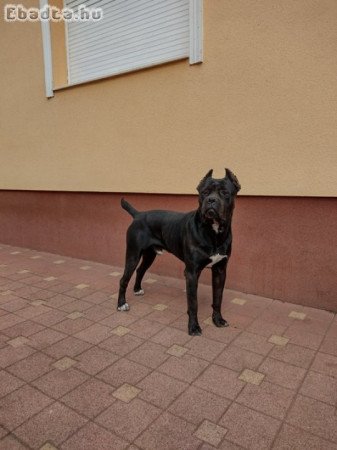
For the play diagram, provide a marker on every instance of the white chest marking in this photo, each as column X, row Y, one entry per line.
column 215, row 227
column 215, row 259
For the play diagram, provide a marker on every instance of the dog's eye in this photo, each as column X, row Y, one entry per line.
column 204, row 193
column 224, row 193
column 228, row 197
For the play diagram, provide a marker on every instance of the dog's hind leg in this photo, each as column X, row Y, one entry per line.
column 132, row 260
column 149, row 255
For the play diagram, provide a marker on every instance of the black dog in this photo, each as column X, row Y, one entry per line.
column 201, row 238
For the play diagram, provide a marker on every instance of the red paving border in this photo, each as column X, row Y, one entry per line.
column 76, row 374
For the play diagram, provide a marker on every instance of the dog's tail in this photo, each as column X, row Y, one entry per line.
column 130, row 209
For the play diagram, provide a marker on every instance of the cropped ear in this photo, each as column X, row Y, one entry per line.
column 208, row 175
column 233, row 179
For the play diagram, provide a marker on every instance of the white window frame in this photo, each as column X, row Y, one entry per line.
column 47, row 55
column 195, row 45
column 196, row 31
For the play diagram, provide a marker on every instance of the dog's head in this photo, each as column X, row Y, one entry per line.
column 216, row 197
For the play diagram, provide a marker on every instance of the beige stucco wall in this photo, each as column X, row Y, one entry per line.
column 263, row 103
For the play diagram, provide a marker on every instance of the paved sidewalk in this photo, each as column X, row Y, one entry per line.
column 77, row 374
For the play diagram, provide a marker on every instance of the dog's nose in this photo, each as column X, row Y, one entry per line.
column 211, row 200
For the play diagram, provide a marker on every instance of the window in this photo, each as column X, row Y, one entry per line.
column 133, row 34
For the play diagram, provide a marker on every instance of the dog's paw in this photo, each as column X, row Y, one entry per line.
column 219, row 321
column 124, row 307
column 194, row 330
column 140, row 292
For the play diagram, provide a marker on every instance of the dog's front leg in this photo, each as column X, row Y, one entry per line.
column 192, row 277
column 218, row 284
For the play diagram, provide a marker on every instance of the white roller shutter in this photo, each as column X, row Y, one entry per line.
column 133, row 34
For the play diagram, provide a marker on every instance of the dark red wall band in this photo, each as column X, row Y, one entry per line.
column 284, row 248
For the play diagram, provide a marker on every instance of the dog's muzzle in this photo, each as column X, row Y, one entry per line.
column 211, row 213
column 212, row 207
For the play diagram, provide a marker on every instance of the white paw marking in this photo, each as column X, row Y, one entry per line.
column 124, row 307
column 140, row 292
column 215, row 259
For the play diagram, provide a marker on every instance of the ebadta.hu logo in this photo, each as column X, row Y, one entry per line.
column 19, row 13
